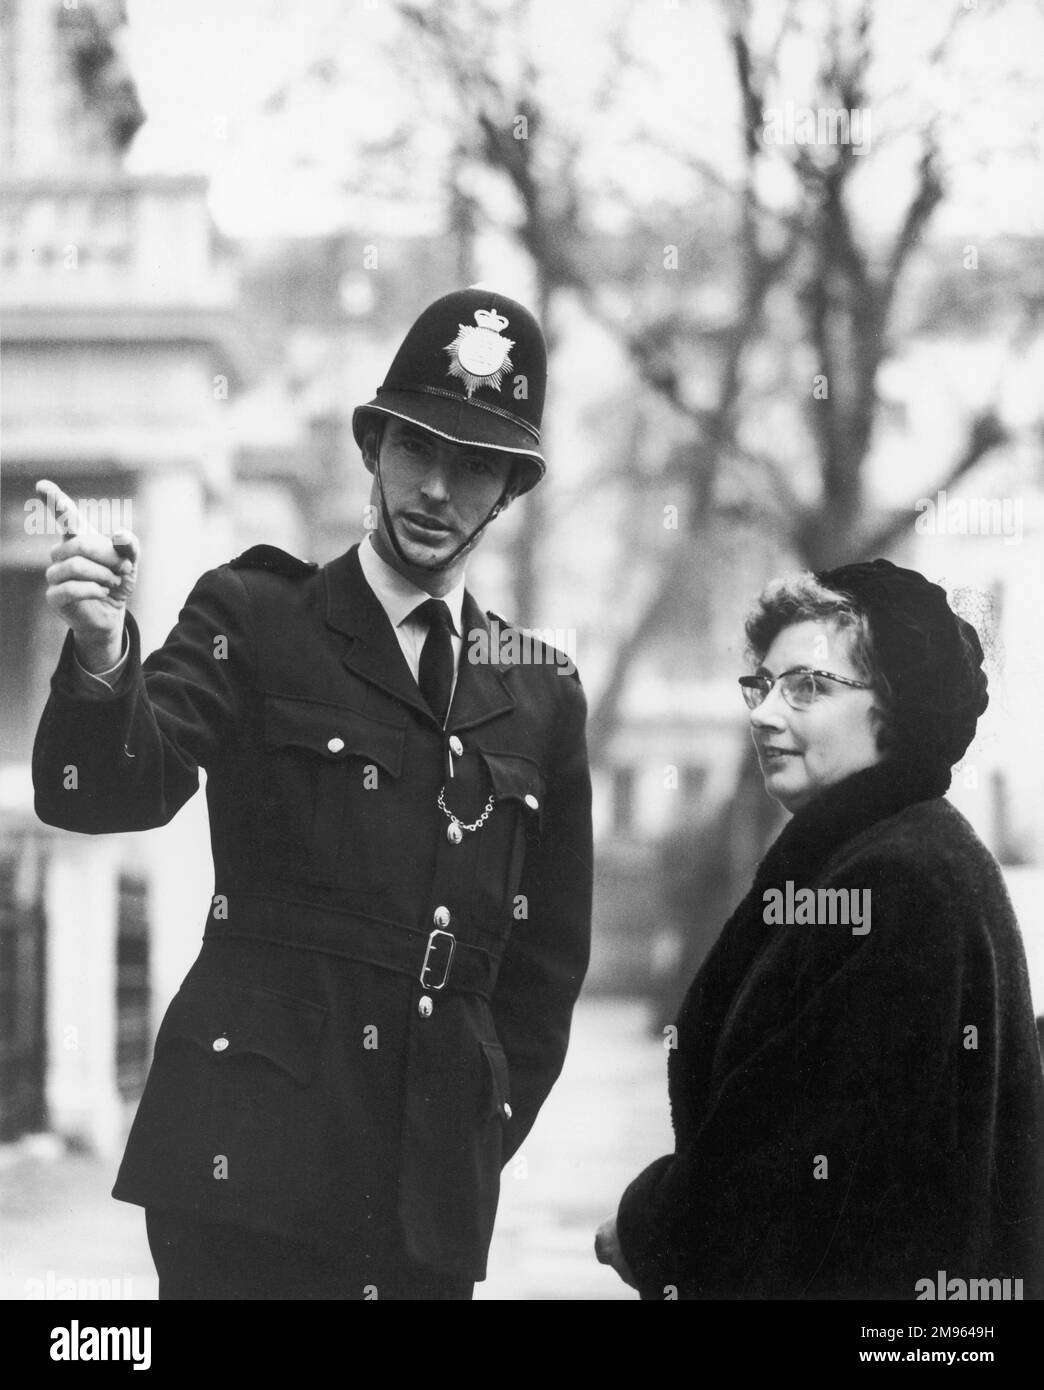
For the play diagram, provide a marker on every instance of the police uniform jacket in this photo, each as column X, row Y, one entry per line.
column 382, row 1001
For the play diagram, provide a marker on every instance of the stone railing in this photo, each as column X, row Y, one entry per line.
column 115, row 240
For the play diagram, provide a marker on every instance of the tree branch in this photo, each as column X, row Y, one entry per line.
column 986, row 432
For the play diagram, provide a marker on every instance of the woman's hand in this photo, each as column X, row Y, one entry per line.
column 610, row 1252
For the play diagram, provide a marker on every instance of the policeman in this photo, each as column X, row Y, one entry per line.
column 400, row 821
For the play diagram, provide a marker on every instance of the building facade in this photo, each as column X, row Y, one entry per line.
column 120, row 355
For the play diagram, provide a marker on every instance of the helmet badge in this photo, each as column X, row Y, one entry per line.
column 479, row 356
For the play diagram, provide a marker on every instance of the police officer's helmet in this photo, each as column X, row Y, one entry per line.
column 473, row 369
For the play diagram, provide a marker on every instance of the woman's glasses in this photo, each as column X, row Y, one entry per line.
column 798, row 686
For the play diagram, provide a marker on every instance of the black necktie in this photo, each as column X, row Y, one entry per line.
column 435, row 676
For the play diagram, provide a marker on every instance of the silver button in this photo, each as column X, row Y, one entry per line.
column 441, row 917
column 507, row 1111
column 335, row 745
column 424, row 1006
column 219, row 1044
column 532, row 802
column 456, row 747
column 454, row 833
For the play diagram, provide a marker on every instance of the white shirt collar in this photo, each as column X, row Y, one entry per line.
column 397, row 595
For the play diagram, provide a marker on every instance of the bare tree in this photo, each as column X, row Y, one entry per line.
column 844, row 292
column 504, row 128
column 807, row 261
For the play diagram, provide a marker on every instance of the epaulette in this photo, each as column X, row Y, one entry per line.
column 276, row 561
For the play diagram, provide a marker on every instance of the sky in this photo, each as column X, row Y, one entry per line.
column 235, row 89
column 206, row 71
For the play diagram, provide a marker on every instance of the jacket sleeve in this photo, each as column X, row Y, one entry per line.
column 546, row 957
column 811, row 1165
column 129, row 759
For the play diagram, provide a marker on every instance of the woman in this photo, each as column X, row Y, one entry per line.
column 856, row 1089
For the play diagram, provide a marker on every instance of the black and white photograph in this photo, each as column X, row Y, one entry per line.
column 520, row 640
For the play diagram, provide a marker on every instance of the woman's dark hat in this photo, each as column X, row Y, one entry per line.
column 930, row 657
column 473, row 369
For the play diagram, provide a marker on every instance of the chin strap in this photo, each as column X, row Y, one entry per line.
column 466, row 544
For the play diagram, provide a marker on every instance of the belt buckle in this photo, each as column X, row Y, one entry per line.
column 435, row 946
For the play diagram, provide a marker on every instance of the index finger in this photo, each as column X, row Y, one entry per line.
column 63, row 507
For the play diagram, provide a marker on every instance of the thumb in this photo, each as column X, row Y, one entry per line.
column 128, row 548
column 126, row 545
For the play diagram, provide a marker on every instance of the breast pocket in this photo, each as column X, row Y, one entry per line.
column 323, row 812
column 242, row 1055
column 514, row 826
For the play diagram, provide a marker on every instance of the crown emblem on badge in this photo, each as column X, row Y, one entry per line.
column 489, row 318
column 479, row 356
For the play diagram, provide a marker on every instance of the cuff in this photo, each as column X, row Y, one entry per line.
column 90, row 681
column 643, row 1245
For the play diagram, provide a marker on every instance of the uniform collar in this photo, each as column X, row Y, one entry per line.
column 397, row 595
column 353, row 608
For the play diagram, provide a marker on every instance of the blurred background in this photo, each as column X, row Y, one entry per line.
column 788, row 257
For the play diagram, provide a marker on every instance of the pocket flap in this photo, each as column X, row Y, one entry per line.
column 333, row 732
column 500, row 1078
column 229, row 1020
column 516, row 778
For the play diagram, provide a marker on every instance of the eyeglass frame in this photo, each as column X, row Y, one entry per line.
column 753, row 683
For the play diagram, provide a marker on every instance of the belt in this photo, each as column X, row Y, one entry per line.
column 436, row 959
